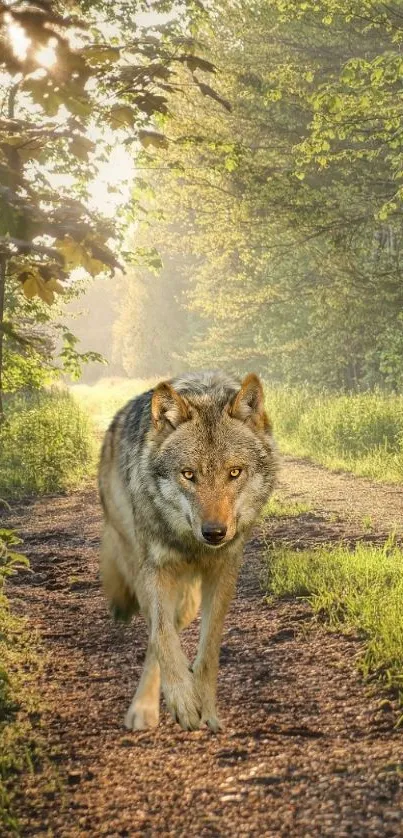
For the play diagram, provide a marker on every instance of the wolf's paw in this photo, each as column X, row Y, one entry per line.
column 141, row 716
column 184, row 704
column 207, row 692
column 212, row 721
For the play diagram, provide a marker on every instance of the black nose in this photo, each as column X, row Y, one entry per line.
column 213, row 532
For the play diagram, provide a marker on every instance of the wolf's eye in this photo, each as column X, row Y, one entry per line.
column 187, row 474
column 234, row 473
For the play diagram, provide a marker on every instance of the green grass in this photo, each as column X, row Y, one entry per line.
column 20, row 743
column 357, row 591
column 362, row 433
column 46, row 443
column 280, row 507
column 103, row 399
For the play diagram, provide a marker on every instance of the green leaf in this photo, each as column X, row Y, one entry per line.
column 81, row 147
column 195, row 62
column 152, row 139
column 100, row 55
column 121, row 116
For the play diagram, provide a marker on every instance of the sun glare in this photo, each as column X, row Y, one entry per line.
column 112, row 186
column 46, row 56
column 18, row 39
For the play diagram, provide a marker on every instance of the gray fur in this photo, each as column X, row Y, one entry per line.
column 207, row 424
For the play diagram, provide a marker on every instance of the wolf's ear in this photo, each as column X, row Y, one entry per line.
column 248, row 404
column 168, row 408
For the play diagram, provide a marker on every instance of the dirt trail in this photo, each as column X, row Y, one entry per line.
column 308, row 749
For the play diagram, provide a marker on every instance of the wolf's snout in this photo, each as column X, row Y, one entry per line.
column 213, row 532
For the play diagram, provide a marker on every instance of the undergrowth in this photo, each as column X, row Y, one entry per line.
column 362, row 433
column 46, row 444
column 359, row 591
column 19, row 702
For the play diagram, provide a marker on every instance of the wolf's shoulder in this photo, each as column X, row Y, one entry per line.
column 135, row 417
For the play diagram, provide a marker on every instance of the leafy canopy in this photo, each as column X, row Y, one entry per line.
column 78, row 79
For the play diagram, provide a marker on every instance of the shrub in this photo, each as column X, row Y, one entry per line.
column 46, row 444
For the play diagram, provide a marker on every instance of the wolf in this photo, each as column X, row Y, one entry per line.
column 185, row 471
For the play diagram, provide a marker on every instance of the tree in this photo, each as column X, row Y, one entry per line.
column 153, row 328
column 296, row 269
column 73, row 82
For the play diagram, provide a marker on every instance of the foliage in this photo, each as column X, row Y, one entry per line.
column 277, row 209
column 19, row 742
column 75, row 80
column 67, row 75
column 90, row 316
column 10, row 560
column 359, row 591
column 47, row 444
column 152, row 330
column 362, row 433
column 43, row 345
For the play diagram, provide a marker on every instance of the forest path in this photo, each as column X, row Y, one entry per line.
column 307, row 750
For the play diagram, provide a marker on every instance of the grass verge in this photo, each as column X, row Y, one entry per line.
column 281, row 507
column 19, row 695
column 357, row 591
column 362, row 433
column 46, row 443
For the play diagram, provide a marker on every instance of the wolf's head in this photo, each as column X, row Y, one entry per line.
column 213, row 455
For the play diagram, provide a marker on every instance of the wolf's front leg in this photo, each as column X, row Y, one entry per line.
column 144, row 710
column 178, row 683
column 218, row 587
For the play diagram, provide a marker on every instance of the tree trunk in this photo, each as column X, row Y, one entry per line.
column 14, row 166
column 3, row 264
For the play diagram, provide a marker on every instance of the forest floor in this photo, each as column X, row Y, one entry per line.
column 308, row 748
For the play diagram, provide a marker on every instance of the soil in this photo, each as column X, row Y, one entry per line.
column 308, row 748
